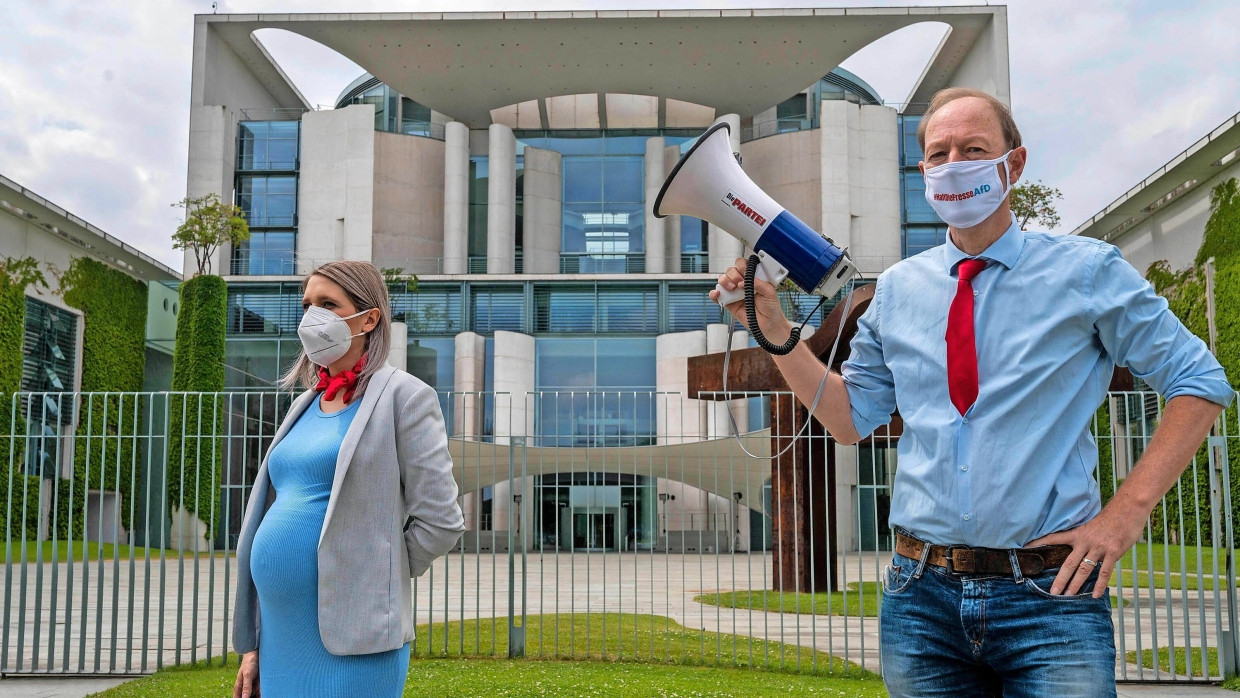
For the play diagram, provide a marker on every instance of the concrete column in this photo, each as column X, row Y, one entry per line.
column 398, row 353
column 514, row 375
column 677, row 419
column 455, row 198
column 468, row 382
column 212, row 154
column 875, row 197
column 845, row 497
column 336, row 186
column 656, row 228
column 724, row 249
column 501, row 200
column 543, row 210
column 671, row 224
column 837, row 170
column 717, row 424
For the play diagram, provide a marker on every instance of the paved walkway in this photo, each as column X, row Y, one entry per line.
column 98, row 618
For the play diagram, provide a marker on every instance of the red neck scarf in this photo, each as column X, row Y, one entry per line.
column 345, row 380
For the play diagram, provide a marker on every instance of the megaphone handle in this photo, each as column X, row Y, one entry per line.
column 765, row 272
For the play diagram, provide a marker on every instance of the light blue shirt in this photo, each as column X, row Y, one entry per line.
column 1053, row 315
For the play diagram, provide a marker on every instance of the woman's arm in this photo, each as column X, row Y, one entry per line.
column 433, row 519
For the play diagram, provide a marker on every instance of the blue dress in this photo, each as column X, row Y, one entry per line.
column 293, row 663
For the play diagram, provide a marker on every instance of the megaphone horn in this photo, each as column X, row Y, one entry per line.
column 708, row 183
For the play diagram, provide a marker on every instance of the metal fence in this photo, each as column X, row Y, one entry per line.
column 624, row 525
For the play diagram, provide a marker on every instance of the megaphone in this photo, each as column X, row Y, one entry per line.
column 708, row 183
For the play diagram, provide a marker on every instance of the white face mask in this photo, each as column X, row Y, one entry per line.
column 965, row 193
column 325, row 335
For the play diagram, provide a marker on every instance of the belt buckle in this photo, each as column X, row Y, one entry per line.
column 950, row 558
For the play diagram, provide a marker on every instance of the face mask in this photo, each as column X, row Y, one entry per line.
column 325, row 335
column 965, row 193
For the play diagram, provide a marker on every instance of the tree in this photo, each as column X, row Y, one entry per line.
column 209, row 223
column 1222, row 233
column 1035, row 202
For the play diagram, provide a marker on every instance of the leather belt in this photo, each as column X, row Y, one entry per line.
column 961, row 559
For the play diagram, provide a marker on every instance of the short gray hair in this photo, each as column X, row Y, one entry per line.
column 366, row 289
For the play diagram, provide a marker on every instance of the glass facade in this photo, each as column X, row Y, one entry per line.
column 595, row 392
column 921, row 228
column 268, row 159
column 594, row 511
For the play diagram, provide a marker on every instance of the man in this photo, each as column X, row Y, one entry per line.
column 997, row 347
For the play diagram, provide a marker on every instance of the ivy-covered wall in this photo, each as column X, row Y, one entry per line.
column 15, row 484
column 114, row 309
column 194, row 456
column 1188, row 513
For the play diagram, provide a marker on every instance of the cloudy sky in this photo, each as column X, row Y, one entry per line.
column 94, row 96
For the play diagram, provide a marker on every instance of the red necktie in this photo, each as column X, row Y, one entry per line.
column 961, row 344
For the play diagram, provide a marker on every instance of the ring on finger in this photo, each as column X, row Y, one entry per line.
column 1089, row 562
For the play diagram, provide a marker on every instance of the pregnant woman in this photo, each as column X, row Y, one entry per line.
column 354, row 498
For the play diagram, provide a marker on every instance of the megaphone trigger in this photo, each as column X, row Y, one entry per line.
column 768, row 270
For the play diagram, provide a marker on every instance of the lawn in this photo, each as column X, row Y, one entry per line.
column 854, row 602
column 90, row 552
column 502, row 677
column 623, row 636
column 1181, row 661
column 1161, row 564
column 615, row 655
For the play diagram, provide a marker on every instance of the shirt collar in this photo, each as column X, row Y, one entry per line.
column 1006, row 250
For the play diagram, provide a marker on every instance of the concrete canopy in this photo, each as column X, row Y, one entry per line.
column 715, row 465
column 736, row 61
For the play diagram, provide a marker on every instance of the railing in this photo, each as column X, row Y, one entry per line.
column 119, row 557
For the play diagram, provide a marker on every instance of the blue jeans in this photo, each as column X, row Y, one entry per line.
column 977, row 635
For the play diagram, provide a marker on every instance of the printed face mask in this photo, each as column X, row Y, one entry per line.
column 325, row 335
column 965, row 193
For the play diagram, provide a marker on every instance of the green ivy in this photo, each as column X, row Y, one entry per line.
column 194, row 454
column 12, row 338
column 114, row 308
column 1188, row 512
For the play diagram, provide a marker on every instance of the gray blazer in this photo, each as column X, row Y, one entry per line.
column 392, row 511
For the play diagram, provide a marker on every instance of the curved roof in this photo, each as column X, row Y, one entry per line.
column 736, row 61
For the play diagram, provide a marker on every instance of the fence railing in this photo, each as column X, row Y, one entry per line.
column 667, row 542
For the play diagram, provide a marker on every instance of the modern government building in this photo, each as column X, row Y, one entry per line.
column 510, row 161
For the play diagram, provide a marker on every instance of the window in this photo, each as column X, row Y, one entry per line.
column 498, row 308
column 916, row 208
column 268, row 145
column 415, row 119
column 595, row 392
column 590, row 308
column 478, row 214
column 268, row 201
column 918, row 239
column 689, row 308
column 604, row 214
column 910, row 149
column 267, row 252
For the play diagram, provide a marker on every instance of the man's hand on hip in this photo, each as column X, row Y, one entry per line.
column 1098, row 543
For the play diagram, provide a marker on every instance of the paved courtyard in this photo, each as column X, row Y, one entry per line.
column 100, row 622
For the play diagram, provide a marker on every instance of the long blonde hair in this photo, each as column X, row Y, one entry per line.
column 364, row 286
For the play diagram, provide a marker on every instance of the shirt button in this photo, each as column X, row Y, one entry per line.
column 967, row 517
column 975, row 293
column 964, row 468
column 964, row 420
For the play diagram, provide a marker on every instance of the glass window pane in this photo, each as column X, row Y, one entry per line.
column 916, row 208
column 583, row 179
column 564, row 363
column 627, row 363
column 623, row 179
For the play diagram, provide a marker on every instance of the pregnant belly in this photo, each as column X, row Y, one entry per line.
column 284, row 558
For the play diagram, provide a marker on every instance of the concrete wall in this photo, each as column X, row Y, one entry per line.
column 542, row 211
column 514, row 375
column 470, row 367
column 1174, row 231
column 861, row 182
column 678, row 419
column 408, row 213
column 788, row 168
column 336, row 197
